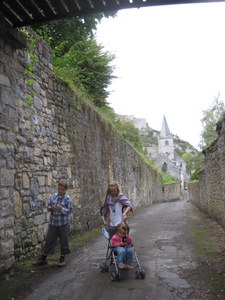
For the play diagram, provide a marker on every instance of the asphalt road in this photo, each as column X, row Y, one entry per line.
column 166, row 249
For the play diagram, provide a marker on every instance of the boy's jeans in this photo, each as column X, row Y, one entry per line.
column 124, row 254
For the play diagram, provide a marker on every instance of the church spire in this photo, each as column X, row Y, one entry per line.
column 165, row 132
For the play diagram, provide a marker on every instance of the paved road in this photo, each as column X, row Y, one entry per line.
column 166, row 250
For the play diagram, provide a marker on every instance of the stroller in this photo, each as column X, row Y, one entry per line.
column 111, row 257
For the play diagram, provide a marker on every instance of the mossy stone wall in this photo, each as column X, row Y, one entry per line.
column 59, row 135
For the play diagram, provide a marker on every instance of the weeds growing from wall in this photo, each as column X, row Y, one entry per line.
column 30, row 67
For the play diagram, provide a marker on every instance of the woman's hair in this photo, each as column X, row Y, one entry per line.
column 112, row 184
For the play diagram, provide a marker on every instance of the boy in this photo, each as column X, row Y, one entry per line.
column 60, row 206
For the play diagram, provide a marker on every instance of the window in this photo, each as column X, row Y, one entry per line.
column 164, row 167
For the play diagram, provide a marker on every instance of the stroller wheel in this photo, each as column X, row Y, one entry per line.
column 104, row 268
column 142, row 274
column 115, row 277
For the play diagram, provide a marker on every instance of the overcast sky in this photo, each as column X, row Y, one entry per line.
column 170, row 60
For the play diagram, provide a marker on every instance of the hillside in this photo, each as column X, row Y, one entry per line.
column 149, row 136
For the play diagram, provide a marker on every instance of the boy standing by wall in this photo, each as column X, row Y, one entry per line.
column 60, row 206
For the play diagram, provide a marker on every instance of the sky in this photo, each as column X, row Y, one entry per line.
column 170, row 60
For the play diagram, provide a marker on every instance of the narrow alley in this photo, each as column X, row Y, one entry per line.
column 180, row 249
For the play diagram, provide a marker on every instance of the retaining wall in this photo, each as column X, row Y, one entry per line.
column 59, row 135
column 209, row 192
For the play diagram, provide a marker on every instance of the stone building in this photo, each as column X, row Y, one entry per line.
column 164, row 157
column 139, row 123
column 163, row 153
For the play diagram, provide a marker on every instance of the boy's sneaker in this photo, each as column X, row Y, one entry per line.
column 61, row 262
column 40, row 261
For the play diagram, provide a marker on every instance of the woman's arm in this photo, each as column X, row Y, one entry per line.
column 127, row 210
column 107, row 217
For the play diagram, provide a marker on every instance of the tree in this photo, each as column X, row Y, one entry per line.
column 78, row 58
column 194, row 164
column 131, row 134
column 89, row 68
column 210, row 118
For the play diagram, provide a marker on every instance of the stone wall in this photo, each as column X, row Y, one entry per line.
column 172, row 192
column 59, row 135
column 209, row 193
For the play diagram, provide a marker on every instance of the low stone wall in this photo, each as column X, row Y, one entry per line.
column 59, row 135
column 194, row 192
column 172, row 191
column 209, row 193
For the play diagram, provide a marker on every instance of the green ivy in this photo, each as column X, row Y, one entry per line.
column 30, row 67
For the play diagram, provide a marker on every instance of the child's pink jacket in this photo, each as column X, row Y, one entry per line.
column 116, row 240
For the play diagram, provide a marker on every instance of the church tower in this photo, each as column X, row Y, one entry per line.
column 165, row 141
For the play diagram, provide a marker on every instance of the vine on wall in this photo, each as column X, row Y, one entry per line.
column 30, row 67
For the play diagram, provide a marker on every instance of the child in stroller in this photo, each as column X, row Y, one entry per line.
column 121, row 241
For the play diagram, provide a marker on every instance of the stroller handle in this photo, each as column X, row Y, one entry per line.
column 101, row 209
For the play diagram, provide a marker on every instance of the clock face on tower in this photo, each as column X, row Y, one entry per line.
column 166, row 143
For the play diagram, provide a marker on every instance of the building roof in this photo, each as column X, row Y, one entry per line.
column 27, row 12
column 165, row 132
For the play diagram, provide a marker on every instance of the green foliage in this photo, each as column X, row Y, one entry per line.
column 194, row 164
column 82, row 63
column 108, row 112
column 78, row 58
column 210, row 118
column 150, row 137
column 88, row 67
column 29, row 71
column 62, row 34
column 168, row 179
column 182, row 147
column 130, row 133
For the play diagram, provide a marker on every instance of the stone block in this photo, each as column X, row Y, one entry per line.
column 41, row 233
column 69, row 172
column 8, row 248
column 37, row 103
column 7, row 177
column 49, row 179
column 41, row 180
column 34, row 238
column 9, row 233
column 37, row 151
column 5, row 208
column 4, row 80
column 9, row 222
column 3, row 163
column 38, row 220
column 18, row 205
column 26, row 181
